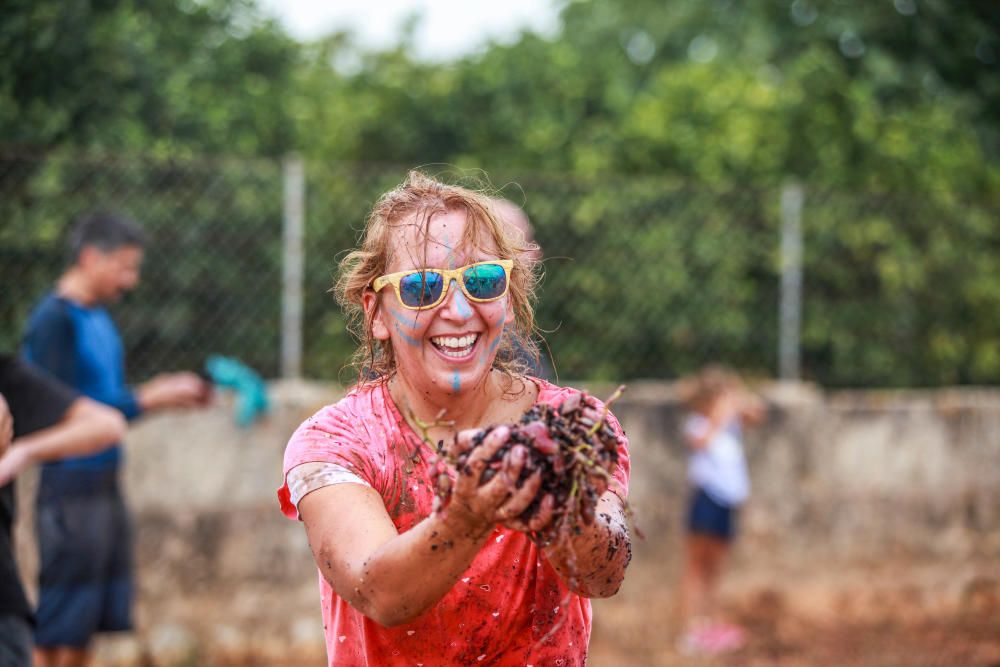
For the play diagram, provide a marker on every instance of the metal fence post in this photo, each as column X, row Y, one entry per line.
column 294, row 209
column 790, row 316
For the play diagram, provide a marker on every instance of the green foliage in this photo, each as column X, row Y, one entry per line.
column 649, row 142
column 211, row 275
column 877, row 102
column 156, row 75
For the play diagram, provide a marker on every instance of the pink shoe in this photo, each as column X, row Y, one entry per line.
column 712, row 640
column 728, row 637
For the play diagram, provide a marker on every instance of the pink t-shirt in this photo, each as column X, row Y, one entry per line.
column 500, row 608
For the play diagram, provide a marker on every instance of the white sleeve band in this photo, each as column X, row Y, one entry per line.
column 307, row 477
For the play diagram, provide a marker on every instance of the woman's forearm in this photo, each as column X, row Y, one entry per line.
column 413, row 571
column 592, row 563
column 394, row 577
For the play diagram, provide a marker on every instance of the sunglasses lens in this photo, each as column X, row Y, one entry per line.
column 485, row 281
column 421, row 288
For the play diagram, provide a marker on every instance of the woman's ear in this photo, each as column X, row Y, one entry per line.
column 370, row 302
column 509, row 318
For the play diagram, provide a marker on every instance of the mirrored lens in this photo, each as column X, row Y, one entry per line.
column 485, row 281
column 421, row 288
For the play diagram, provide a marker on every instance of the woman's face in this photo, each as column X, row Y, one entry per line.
column 447, row 349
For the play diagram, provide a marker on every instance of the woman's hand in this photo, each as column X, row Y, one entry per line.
column 521, row 498
column 498, row 500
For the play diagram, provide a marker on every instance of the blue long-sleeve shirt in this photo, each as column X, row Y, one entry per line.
column 80, row 345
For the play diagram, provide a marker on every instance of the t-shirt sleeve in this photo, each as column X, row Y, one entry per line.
column 305, row 478
column 126, row 401
column 36, row 400
column 332, row 435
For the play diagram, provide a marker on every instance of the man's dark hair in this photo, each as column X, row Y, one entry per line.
column 105, row 230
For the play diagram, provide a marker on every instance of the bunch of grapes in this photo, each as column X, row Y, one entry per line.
column 576, row 451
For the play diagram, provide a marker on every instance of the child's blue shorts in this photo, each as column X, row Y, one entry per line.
column 708, row 517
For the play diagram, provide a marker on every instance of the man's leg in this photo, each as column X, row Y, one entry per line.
column 75, row 532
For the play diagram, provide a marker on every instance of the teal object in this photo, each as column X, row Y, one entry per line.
column 251, row 392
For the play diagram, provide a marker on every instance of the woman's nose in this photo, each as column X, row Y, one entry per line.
column 456, row 305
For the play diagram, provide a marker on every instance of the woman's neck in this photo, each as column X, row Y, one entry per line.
column 470, row 408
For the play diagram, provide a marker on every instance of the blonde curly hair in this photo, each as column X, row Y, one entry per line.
column 416, row 201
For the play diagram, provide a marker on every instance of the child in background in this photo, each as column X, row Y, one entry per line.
column 720, row 406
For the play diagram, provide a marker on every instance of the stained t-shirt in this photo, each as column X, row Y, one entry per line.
column 80, row 346
column 501, row 609
column 36, row 401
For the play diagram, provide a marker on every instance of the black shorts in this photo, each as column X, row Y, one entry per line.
column 85, row 548
column 15, row 641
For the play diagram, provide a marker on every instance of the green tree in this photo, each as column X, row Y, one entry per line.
column 159, row 75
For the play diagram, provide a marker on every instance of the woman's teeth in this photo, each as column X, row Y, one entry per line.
column 455, row 346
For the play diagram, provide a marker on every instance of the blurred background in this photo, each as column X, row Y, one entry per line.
column 806, row 190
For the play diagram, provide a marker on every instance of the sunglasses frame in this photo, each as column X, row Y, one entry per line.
column 449, row 275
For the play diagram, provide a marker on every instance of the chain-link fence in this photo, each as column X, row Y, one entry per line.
column 212, row 273
column 644, row 277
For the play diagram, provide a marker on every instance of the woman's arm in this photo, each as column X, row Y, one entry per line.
column 390, row 577
column 592, row 563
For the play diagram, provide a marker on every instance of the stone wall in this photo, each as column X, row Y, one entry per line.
column 845, row 477
column 848, row 475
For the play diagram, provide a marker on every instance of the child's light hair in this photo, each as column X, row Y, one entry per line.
column 698, row 391
column 415, row 202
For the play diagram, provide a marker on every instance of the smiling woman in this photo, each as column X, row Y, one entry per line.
column 401, row 582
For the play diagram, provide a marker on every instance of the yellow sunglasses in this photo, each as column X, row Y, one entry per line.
column 419, row 289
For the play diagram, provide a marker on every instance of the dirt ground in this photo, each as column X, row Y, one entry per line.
column 804, row 613
column 884, row 615
column 958, row 642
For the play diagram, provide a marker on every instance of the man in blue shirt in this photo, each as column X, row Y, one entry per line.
column 85, row 581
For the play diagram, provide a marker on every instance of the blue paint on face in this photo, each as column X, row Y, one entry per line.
column 402, row 319
column 456, row 382
column 461, row 303
column 488, row 351
column 495, row 343
column 451, row 251
column 408, row 338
